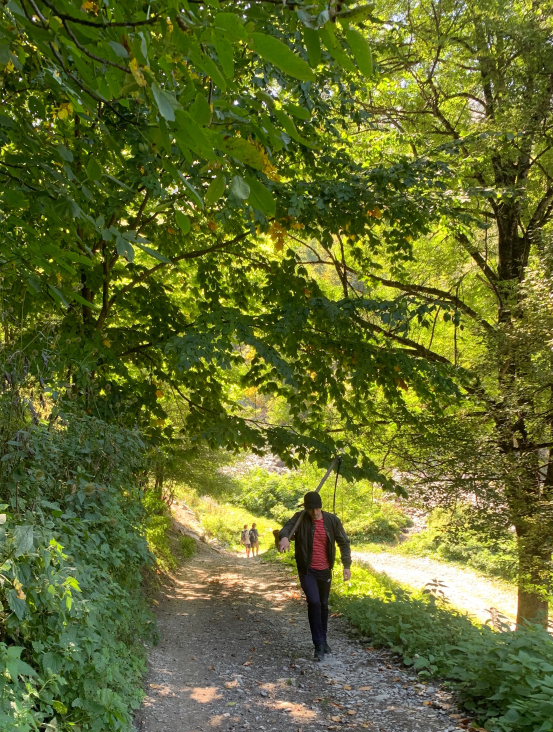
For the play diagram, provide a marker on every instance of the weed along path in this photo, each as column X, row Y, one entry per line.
column 234, row 654
column 464, row 588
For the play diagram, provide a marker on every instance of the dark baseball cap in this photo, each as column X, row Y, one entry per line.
column 312, row 500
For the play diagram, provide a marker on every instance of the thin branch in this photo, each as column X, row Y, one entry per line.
column 90, row 54
column 442, row 294
column 491, row 276
column 100, row 24
column 79, row 83
column 539, row 217
column 175, row 260
column 413, row 346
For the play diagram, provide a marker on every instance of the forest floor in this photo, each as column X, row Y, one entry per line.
column 235, row 654
column 467, row 590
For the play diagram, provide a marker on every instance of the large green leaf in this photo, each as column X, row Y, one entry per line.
column 24, row 539
column 239, row 187
column 192, row 136
column 215, row 189
column 243, row 150
column 361, row 51
column 183, row 222
column 261, row 197
column 280, row 55
column 334, row 47
column 166, row 103
column 124, row 248
column 232, row 25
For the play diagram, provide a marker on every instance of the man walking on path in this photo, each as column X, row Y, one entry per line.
column 316, row 538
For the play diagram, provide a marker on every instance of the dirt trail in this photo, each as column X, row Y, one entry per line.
column 465, row 589
column 235, row 654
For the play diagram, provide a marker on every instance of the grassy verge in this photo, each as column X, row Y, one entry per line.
column 372, row 548
column 169, row 548
column 225, row 521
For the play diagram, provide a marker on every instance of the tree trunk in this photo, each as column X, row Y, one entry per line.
column 534, row 580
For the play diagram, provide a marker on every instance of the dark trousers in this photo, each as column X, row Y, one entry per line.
column 316, row 585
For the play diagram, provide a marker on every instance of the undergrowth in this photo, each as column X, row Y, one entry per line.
column 505, row 679
column 72, row 617
column 169, row 548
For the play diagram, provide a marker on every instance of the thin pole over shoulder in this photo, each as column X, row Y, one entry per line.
column 336, row 462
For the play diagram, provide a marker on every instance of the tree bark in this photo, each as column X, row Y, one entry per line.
column 534, row 584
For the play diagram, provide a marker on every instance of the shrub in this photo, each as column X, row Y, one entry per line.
column 73, row 618
column 187, row 546
column 382, row 522
column 168, row 547
column 504, row 679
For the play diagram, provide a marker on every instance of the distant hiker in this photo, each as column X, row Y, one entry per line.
column 245, row 539
column 316, row 538
column 254, row 540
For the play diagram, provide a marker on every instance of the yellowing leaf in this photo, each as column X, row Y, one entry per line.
column 65, row 110
column 90, row 7
column 134, row 66
column 278, row 234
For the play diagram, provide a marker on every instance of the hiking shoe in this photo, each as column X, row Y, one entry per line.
column 319, row 653
column 327, row 648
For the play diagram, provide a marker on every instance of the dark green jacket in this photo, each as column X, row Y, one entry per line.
column 304, row 540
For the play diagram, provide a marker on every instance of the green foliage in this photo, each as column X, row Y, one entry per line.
column 482, row 281
column 456, row 538
column 187, row 547
column 168, row 550
column 366, row 515
column 504, row 679
column 382, row 522
column 273, row 495
column 72, row 619
column 225, row 522
column 153, row 178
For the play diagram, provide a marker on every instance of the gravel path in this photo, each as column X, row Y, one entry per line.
column 465, row 589
column 235, row 654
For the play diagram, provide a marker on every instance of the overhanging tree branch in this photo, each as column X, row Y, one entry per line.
column 99, row 24
column 442, row 294
column 149, row 272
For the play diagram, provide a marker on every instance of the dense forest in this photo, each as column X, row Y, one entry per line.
column 287, row 227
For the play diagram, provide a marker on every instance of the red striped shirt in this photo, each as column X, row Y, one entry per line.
column 319, row 559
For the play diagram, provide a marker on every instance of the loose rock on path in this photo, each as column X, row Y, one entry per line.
column 235, row 654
